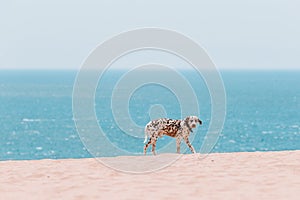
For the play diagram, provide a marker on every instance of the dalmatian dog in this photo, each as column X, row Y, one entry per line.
column 179, row 129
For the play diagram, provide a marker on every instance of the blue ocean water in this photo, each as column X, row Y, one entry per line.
column 37, row 121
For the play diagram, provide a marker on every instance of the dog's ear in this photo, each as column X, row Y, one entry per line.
column 200, row 122
column 187, row 120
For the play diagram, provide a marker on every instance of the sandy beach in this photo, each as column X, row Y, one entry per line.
column 257, row 175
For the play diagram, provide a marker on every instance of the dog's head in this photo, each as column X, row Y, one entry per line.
column 192, row 121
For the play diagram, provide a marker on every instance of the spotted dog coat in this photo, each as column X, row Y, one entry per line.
column 179, row 129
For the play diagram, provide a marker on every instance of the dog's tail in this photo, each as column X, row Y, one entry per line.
column 146, row 136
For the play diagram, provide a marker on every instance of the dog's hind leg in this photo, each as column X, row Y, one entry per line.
column 153, row 146
column 186, row 139
column 146, row 146
column 178, row 141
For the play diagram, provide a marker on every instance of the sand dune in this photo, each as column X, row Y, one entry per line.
column 268, row 175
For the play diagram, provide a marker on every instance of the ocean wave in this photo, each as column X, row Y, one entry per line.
column 36, row 120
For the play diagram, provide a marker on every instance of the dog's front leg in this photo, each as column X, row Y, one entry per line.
column 178, row 141
column 186, row 139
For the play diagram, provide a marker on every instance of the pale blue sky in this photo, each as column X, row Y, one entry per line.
column 237, row 34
